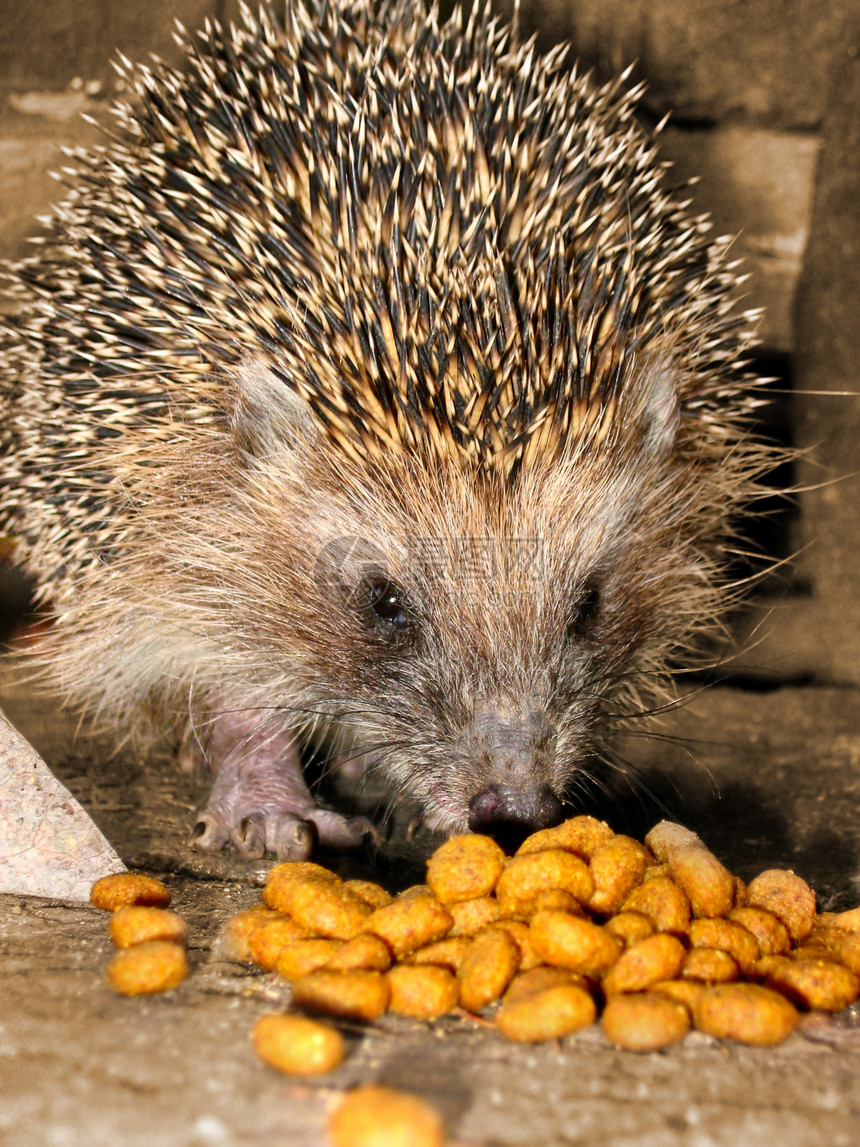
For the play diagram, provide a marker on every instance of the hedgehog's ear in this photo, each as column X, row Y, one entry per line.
column 268, row 415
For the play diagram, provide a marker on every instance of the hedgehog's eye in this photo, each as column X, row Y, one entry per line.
column 585, row 613
column 385, row 604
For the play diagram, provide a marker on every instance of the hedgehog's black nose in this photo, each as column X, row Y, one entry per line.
column 505, row 811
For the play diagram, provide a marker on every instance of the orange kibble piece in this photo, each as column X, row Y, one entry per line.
column 135, row 924
column 822, row 985
column 356, row 995
column 728, row 936
column 771, row 934
column 686, row 992
column 154, row 966
column 415, row 890
column 382, row 1117
column 539, row 979
column 121, row 889
column 581, row 835
column 269, row 938
column 813, row 952
column 654, row 870
column 848, row 921
column 571, row 942
column 710, row 966
column 709, row 885
column 410, row 923
column 282, row 877
column 326, row 909
column 552, row 900
column 767, row 964
column 617, row 867
column 422, row 991
column 629, row 927
column 302, row 957
column 291, row 870
column 663, row 902
column 656, row 958
column 235, row 937
column 548, row 1014
column 363, row 951
column 465, row 867
column 372, row 894
column 519, row 932
column 444, row 953
column 788, row 897
column 826, row 933
column 527, row 875
column 298, row 1045
column 666, row 837
column 747, row 1013
column 473, row 916
column 644, row 1021
column 490, row 963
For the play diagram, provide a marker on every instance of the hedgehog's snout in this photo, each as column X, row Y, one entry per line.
column 509, row 750
column 503, row 810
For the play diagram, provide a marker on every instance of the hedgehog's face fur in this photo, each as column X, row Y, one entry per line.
column 475, row 633
column 472, row 631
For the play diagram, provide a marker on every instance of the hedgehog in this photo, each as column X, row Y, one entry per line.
column 374, row 392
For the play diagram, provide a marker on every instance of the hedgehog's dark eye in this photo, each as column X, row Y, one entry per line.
column 385, row 604
column 585, row 614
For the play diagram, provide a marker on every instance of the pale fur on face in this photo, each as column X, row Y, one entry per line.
column 226, row 600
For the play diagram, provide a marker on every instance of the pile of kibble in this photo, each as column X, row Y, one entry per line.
column 581, row 922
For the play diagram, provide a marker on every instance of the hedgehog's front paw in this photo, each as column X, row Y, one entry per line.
column 259, row 801
column 286, row 835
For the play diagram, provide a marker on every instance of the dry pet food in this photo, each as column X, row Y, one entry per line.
column 644, row 1022
column 382, row 1117
column 788, row 897
column 748, row 1013
column 135, row 924
column 423, row 991
column 548, row 1014
column 409, row 923
column 298, row 1045
column 571, row 942
column 348, row 995
column 580, row 923
column 656, row 958
column 124, row 888
column 146, row 968
column 490, row 963
column 464, row 868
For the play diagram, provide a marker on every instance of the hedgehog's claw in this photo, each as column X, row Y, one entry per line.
column 210, row 832
column 338, row 831
column 289, row 837
column 248, row 837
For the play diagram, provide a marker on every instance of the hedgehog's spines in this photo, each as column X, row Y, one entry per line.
column 471, row 264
